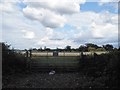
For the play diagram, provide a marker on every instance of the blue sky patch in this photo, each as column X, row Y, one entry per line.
column 94, row 6
column 21, row 5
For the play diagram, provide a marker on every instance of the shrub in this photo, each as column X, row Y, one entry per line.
column 104, row 65
column 12, row 61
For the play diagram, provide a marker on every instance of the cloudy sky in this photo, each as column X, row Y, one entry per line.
column 58, row 23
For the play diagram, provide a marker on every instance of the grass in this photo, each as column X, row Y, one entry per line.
column 56, row 61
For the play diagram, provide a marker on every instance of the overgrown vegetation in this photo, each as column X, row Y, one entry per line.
column 12, row 61
column 103, row 69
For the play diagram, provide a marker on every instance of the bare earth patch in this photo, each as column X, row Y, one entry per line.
column 44, row 80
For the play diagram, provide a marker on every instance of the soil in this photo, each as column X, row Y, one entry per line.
column 44, row 80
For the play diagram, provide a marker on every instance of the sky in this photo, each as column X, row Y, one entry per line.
column 58, row 23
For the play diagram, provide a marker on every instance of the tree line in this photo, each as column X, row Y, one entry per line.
column 82, row 48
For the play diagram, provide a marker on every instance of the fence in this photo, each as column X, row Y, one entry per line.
column 55, row 54
column 37, row 54
column 55, row 60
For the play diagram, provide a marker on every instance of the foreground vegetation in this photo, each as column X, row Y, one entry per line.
column 102, row 70
column 12, row 62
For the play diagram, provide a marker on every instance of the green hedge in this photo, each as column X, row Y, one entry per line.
column 99, row 66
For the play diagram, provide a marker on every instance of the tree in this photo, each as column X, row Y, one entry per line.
column 34, row 49
column 68, row 48
column 40, row 49
column 58, row 49
column 12, row 61
column 73, row 49
column 6, row 51
column 91, row 45
column 47, row 49
column 108, row 47
column 82, row 48
column 115, row 49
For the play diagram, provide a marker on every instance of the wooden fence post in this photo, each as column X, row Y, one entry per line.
column 27, row 60
column 47, row 53
column 30, row 59
column 27, row 53
column 30, row 53
column 82, row 55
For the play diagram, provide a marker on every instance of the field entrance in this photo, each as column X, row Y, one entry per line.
column 69, row 63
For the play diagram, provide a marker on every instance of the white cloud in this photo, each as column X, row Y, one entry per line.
column 104, row 31
column 8, row 6
column 45, row 16
column 8, row 9
column 94, row 27
column 28, row 34
column 55, row 43
column 51, row 12
column 62, row 7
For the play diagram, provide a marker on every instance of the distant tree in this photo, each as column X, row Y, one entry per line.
column 82, row 48
column 108, row 47
column 115, row 49
column 47, row 49
column 91, row 45
column 40, row 49
column 73, row 49
column 68, row 48
column 34, row 49
column 58, row 49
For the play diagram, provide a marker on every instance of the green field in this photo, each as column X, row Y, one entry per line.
column 70, row 61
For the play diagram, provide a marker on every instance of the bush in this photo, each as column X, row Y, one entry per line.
column 104, row 65
column 11, row 61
